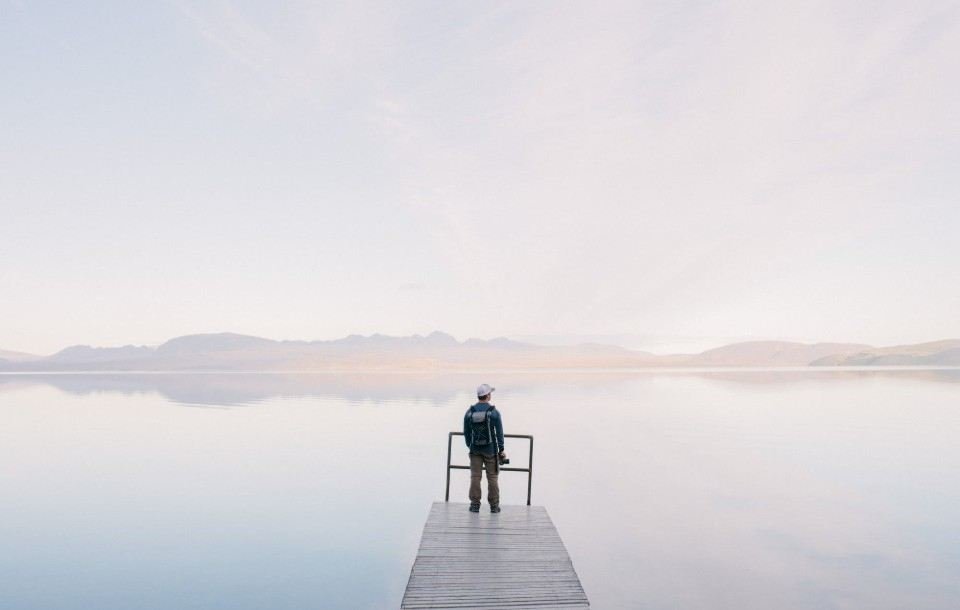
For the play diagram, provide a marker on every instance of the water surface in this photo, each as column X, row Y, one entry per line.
column 695, row 490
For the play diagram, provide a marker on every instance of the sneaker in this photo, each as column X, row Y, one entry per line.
column 494, row 509
column 474, row 508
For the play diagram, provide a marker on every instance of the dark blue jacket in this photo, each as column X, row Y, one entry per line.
column 497, row 421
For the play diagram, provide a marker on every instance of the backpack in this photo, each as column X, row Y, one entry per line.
column 481, row 430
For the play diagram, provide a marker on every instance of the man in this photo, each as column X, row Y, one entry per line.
column 483, row 433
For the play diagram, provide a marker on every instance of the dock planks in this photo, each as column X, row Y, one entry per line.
column 514, row 560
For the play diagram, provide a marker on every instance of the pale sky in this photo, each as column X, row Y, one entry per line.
column 304, row 170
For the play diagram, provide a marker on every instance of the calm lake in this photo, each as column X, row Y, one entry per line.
column 681, row 490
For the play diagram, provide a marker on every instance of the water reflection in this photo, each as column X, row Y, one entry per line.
column 238, row 389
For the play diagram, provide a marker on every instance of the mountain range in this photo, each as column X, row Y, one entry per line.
column 440, row 351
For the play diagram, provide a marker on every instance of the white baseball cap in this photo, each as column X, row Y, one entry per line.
column 484, row 389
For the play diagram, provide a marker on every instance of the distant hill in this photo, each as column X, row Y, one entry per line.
column 85, row 353
column 10, row 356
column 232, row 352
column 204, row 344
column 440, row 351
column 773, row 353
column 935, row 353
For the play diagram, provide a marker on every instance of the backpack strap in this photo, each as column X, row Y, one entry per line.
column 470, row 417
column 491, row 429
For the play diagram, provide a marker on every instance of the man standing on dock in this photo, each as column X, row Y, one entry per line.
column 483, row 433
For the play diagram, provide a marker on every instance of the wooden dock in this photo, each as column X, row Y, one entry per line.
column 514, row 560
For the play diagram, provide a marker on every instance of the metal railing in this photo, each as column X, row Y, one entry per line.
column 528, row 470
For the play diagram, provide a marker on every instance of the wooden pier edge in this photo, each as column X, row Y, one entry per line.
column 513, row 560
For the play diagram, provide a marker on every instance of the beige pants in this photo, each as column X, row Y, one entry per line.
column 478, row 463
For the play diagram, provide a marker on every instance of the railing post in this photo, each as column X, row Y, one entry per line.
column 529, row 472
column 446, row 496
